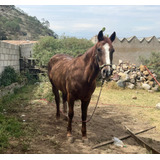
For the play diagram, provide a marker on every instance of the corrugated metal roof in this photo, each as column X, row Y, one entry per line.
column 130, row 38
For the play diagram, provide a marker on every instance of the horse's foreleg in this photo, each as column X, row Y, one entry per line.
column 84, row 108
column 64, row 97
column 70, row 116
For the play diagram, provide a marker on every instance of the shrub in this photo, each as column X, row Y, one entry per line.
column 153, row 62
column 8, row 76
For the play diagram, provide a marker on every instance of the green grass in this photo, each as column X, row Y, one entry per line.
column 124, row 97
column 144, row 107
column 9, row 127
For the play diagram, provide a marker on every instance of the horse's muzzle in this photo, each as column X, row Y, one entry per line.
column 106, row 72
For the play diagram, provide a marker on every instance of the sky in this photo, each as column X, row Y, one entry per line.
column 85, row 21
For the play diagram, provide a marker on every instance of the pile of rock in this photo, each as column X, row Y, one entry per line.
column 130, row 76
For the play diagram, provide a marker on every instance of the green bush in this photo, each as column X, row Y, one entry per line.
column 153, row 62
column 8, row 76
column 48, row 46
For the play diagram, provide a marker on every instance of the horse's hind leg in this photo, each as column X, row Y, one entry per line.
column 57, row 99
column 64, row 98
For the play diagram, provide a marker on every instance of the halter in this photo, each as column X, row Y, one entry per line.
column 103, row 65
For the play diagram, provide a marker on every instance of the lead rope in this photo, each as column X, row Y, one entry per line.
column 96, row 102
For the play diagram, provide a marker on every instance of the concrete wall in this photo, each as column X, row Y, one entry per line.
column 26, row 50
column 129, row 49
column 11, row 53
column 9, row 56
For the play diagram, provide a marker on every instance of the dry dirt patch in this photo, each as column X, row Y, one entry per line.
column 49, row 135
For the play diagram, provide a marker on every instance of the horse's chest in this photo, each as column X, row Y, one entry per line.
column 80, row 89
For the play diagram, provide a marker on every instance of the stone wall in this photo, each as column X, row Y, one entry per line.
column 129, row 49
column 9, row 56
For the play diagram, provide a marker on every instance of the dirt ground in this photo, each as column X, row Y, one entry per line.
column 48, row 136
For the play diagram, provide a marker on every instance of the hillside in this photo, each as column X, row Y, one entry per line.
column 17, row 25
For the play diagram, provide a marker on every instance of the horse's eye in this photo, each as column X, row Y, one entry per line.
column 99, row 49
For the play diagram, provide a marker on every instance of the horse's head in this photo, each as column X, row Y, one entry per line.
column 104, row 53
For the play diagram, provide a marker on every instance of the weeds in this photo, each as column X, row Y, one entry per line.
column 9, row 127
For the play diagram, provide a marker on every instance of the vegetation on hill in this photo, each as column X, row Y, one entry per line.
column 16, row 24
column 49, row 46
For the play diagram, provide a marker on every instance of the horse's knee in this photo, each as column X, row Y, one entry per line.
column 70, row 115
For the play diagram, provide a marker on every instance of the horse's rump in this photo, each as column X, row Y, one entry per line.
column 57, row 70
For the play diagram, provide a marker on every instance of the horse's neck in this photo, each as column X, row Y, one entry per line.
column 92, row 68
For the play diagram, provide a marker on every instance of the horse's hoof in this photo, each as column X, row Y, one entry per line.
column 57, row 117
column 70, row 139
column 65, row 118
column 85, row 140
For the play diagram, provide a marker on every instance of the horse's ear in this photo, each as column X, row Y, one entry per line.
column 100, row 36
column 113, row 36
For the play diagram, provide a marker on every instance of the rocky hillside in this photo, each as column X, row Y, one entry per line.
column 17, row 25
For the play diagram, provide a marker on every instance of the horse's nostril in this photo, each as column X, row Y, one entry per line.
column 104, row 71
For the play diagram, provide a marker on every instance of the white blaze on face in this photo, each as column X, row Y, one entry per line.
column 108, row 61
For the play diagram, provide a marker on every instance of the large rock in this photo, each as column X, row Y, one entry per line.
column 139, row 73
column 146, row 86
column 123, row 76
column 155, row 88
column 120, row 61
column 115, row 77
column 142, row 68
column 151, row 83
column 158, row 105
column 133, row 80
column 138, row 85
column 121, row 83
column 131, row 86
column 114, row 66
column 146, row 73
column 150, row 78
column 125, row 67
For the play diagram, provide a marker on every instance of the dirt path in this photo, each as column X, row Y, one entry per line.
column 49, row 135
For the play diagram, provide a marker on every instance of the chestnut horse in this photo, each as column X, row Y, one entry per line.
column 76, row 77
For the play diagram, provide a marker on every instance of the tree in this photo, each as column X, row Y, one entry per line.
column 49, row 46
column 44, row 50
column 45, row 23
